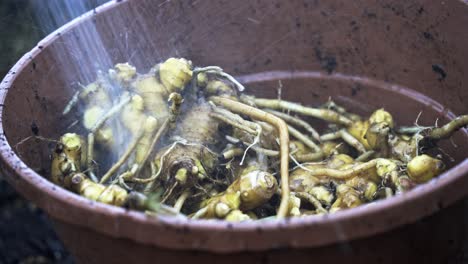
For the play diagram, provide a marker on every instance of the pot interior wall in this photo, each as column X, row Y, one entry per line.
column 439, row 234
column 417, row 44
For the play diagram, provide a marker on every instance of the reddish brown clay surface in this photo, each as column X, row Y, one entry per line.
column 436, row 240
column 363, row 54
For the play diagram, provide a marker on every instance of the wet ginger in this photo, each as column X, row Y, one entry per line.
column 186, row 133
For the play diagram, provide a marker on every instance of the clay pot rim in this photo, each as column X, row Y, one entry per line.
column 28, row 177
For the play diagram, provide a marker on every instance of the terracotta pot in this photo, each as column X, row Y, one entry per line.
column 407, row 56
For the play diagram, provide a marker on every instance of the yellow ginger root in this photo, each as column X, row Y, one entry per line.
column 323, row 194
column 437, row 133
column 189, row 152
column 97, row 103
column 96, row 94
column 377, row 138
column 256, row 187
column 149, row 127
column 67, row 157
column 325, row 114
column 132, row 115
column 358, row 129
column 348, row 197
column 237, row 216
column 331, row 147
column 91, row 116
column 65, row 172
column 373, row 133
column 386, row 167
column 217, row 87
column 65, row 169
column 366, row 170
column 404, row 148
column 140, row 126
column 154, row 95
column 202, row 79
column 282, row 130
column 390, row 171
column 301, row 181
column 357, row 160
column 148, row 109
column 302, row 153
column 381, row 116
column 175, row 74
column 252, row 189
column 294, row 205
column 364, row 186
column 448, row 129
column 298, row 148
column 219, row 206
column 306, row 185
column 112, row 194
column 338, row 170
column 338, row 161
column 123, row 73
column 303, row 178
column 423, row 168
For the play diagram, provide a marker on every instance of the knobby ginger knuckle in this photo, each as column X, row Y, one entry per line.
column 154, row 95
column 256, row 188
column 423, row 168
column 324, row 195
column 123, row 72
column 381, row 116
column 175, row 74
column 237, row 216
column 358, row 130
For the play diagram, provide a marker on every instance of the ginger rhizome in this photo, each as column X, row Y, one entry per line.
column 189, row 141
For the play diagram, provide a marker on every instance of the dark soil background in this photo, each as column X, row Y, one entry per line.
column 26, row 234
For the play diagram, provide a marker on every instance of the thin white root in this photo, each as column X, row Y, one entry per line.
column 296, row 121
column 324, row 114
column 282, row 128
column 346, row 137
column 155, row 176
column 169, row 192
column 72, row 103
column 233, row 123
column 304, row 139
column 219, row 71
column 255, row 142
column 181, row 200
column 122, row 159
column 235, row 152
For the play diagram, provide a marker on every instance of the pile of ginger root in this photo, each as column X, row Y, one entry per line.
column 186, row 141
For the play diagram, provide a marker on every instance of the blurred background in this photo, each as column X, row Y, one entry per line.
column 26, row 235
